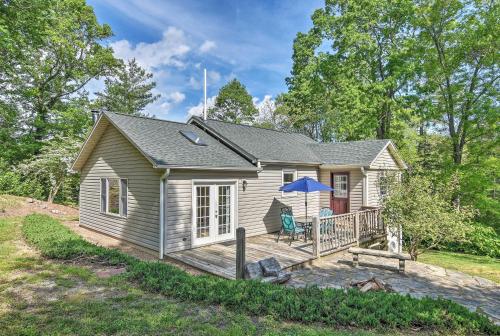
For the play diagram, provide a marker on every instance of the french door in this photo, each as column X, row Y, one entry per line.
column 213, row 212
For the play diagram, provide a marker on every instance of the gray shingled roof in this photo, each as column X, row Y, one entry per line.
column 265, row 144
column 270, row 145
column 360, row 153
column 163, row 143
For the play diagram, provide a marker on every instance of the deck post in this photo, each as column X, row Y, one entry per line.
column 316, row 237
column 356, row 226
column 240, row 253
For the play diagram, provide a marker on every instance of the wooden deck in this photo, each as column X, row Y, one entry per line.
column 220, row 259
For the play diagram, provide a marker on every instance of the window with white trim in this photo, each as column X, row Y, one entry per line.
column 385, row 180
column 288, row 176
column 114, row 199
column 340, row 186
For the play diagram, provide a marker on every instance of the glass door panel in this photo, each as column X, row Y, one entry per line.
column 213, row 213
column 224, row 210
column 203, row 218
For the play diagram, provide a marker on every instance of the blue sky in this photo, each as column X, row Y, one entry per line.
column 175, row 40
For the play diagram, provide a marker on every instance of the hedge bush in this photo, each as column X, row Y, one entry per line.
column 334, row 307
column 483, row 240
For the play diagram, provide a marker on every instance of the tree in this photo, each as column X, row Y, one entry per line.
column 458, row 44
column 233, row 104
column 128, row 91
column 352, row 70
column 52, row 165
column 271, row 114
column 425, row 214
column 49, row 51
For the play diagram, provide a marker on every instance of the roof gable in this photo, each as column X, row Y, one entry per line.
column 356, row 153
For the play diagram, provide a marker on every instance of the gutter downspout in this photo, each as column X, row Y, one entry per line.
column 365, row 186
column 163, row 197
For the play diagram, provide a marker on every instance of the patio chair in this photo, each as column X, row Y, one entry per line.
column 287, row 211
column 326, row 212
column 289, row 227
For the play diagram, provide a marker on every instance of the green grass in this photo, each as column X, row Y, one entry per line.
column 88, row 305
column 482, row 266
column 331, row 307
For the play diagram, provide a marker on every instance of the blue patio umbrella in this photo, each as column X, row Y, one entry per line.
column 306, row 185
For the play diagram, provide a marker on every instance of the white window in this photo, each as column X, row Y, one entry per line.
column 384, row 183
column 340, row 186
column 114, row 196
column 288, row 176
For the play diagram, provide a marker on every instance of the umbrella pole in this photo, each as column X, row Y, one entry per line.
column 307, row 220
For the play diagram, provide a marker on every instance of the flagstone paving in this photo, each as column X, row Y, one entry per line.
column 419, row 280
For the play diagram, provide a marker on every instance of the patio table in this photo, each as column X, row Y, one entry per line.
column 306, row 222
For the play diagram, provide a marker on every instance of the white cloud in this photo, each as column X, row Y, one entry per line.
column 167, row 51
column 207, row 46
column 177, row 97
column 162, row 106
column 213, row 76
column 198, row 109
column 194, row 83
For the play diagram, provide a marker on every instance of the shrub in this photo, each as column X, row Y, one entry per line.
column 482, row 240
column 12, row 183
column 425, row 215
column 333, row 307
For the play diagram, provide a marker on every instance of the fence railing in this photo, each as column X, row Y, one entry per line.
column 336, row 232
column 370, row 224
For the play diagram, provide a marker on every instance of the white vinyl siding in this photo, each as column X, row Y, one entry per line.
column 385, row 160
column 257, row 208
column 115, row 157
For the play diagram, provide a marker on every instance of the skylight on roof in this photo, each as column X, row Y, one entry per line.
column 194, row 138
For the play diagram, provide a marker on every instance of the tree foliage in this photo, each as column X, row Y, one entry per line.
column 458, row 54
column 425, row 214
column 128, row 90
column 233, row 104
column 351, row 70
column 52, row 165
column 50, row 51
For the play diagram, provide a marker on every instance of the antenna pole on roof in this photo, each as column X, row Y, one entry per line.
column 205, row 94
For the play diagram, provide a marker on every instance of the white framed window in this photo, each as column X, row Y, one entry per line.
column 114, row 199
column 340, row 186
column 385, row 179
column 288, row 176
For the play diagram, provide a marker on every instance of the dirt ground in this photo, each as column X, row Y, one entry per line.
column 25, row 206
column 69, row 217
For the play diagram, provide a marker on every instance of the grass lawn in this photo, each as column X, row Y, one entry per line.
column 482, row 266
column 44, row 297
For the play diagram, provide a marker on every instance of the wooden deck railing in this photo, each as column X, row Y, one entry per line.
column 334, row 233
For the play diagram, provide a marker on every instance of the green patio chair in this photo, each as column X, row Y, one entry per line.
column 288, row 226
column 326, row 212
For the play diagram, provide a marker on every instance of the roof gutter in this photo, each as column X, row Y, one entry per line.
column 340, row 166
column 209, row 168
column 291, row 162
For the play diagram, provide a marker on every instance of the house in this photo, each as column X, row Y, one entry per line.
column 171, row 186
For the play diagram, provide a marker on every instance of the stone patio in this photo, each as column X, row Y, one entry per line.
column 475, row 293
